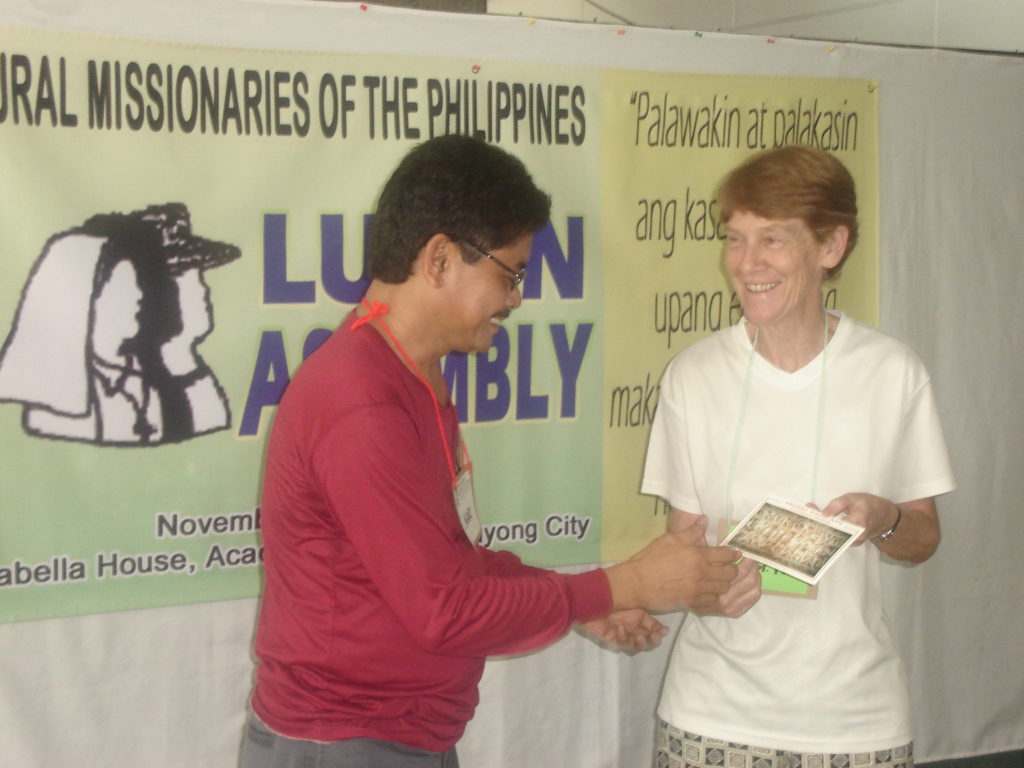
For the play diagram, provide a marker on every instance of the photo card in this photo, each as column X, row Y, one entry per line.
column 792, row 538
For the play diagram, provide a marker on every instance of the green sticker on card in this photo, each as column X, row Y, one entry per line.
column 775, row 582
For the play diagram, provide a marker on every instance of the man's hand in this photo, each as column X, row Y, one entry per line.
column 676, row 570
column 630, row 630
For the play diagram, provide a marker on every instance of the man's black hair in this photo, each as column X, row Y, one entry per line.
column 453, row 185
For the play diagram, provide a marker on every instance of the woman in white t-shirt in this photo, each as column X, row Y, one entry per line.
column 808, row 405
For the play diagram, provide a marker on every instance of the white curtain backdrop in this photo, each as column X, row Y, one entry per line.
column 167, row 687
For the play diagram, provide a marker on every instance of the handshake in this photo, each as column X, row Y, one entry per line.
column 676, row 571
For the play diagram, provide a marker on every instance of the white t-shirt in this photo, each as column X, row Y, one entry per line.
column 808, row 675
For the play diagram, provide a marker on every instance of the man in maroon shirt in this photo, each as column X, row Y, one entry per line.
column 380, row 607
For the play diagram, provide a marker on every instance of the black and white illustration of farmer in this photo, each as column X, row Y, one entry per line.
column 103, row 346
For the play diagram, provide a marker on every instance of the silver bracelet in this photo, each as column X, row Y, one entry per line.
column 886, row 535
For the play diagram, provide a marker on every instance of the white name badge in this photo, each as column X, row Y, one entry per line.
column 466, row 506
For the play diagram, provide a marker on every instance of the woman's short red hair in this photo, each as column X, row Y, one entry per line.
column 795, row 182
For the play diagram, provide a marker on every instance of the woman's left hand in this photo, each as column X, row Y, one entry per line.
column 875, row 514
column 916, row 535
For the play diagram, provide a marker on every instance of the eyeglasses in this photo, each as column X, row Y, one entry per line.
column 516, row 275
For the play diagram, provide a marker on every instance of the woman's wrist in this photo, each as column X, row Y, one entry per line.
column 891, row 530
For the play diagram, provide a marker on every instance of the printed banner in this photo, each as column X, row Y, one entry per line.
column 668, row 141
column 184, row 224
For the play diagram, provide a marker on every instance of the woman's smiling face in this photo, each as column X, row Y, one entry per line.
column 777, row 267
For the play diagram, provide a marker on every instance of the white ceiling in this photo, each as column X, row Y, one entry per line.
column 983, row 25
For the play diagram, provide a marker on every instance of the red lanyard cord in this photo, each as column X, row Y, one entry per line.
column 376, row 311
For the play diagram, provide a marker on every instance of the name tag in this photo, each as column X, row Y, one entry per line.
column 466, row 506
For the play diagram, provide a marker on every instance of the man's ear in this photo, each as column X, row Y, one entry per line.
column 435, row 258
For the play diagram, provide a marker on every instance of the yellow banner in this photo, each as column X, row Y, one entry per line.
column 668, row 141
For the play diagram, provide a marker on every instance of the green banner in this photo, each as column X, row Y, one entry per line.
column 183, row 224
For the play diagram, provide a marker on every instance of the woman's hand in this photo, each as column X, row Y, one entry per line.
column 875, row 514
column 915, row 536
column 743, row 592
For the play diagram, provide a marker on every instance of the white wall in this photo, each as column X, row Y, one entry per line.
column 983, row 25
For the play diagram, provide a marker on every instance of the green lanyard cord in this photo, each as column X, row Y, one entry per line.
column 743, row 414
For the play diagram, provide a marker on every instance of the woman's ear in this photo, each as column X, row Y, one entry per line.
column 835, row 246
